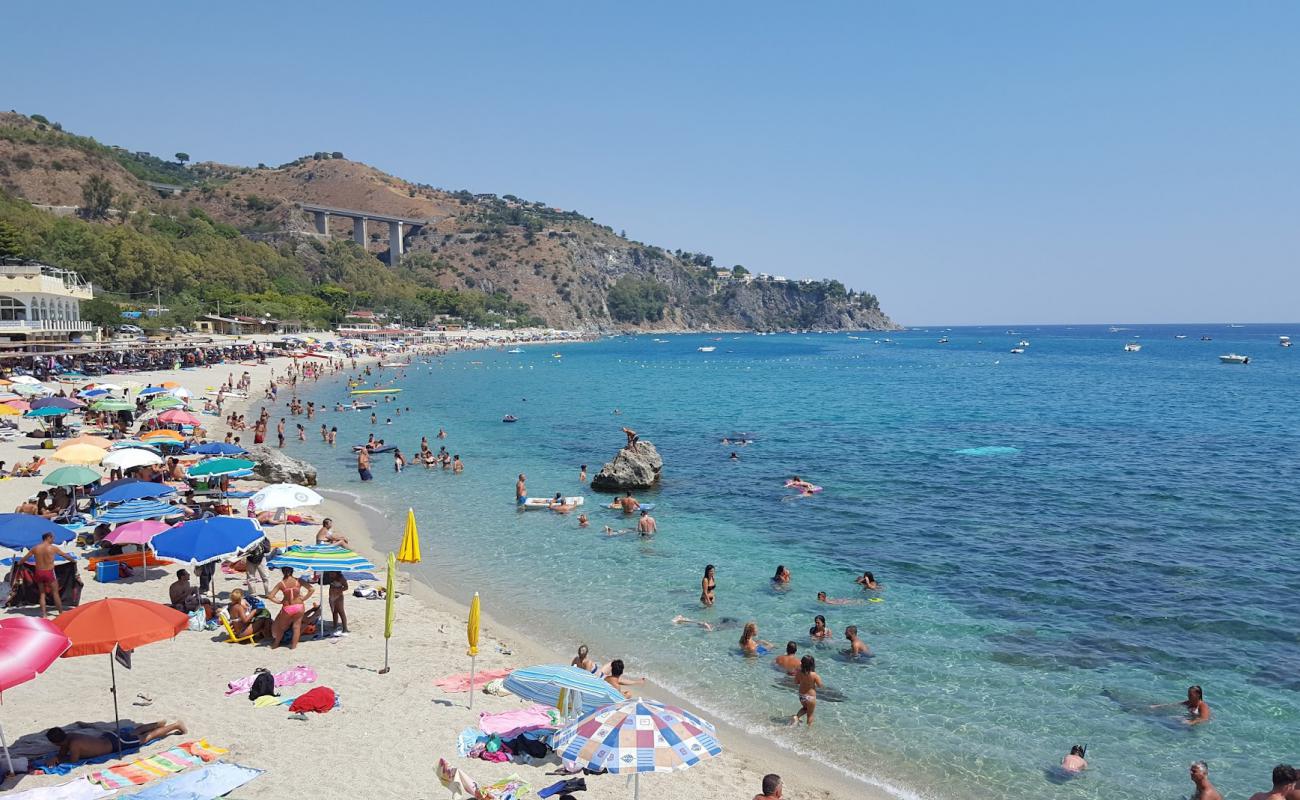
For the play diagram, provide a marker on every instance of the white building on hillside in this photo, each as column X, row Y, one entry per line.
column 39, row 302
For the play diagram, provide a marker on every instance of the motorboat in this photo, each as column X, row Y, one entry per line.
column 944, row 340
column 1019, row 351
column 1234, row 358
column 1181, row 336
column 1023, row 343
column 1285, row 341
column 709, row 349
column 515, row 351
column 510, row 418
column 1206, row 339
column 1132, row 347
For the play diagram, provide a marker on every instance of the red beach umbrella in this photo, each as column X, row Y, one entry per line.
column 28, row 645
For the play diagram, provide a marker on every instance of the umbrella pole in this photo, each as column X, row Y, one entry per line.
column 472, row 659
column 5, row 745
column 384, row 671
column 117, row 722
column 636, row 786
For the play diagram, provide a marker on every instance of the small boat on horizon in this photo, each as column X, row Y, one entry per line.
column 1132, row 347
column 1206, row 339
column 1181, row 336
column 510, row 418
column 944, row 340
column 1020, row 351
column 1284, row 341
column 1234, row 358
column 708, row 349
column 515, row 350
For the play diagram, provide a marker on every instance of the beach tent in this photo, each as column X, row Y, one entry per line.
column 99, row 627
column 635, row 736
column 28, row 646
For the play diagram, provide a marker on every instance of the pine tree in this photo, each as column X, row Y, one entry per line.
column 11, row 244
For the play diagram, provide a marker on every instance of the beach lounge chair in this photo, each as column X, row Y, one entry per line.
column 231, row 638
column 30, row 470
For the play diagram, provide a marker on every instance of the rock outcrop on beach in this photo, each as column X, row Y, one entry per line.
column 273, row 466
column 635, row 467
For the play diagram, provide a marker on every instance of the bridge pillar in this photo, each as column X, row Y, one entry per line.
column 394, row 243
column 359, row 230
column 322, row 222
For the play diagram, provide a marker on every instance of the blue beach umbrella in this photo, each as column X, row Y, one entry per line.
column 215, row 449
column 48, row 411
column 19, row 531
column 542, row 684
column 123, row 489
column 148, row 390
column 201, row 541
column 65, row 403
column 133, row 510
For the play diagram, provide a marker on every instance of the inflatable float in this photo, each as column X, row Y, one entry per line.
column 537, row 503
column 640, row 506
column 374, row 391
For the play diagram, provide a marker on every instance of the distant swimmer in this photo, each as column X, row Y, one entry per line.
column 646, row 526
column 735, row 456
column 582, row 521
column 1075, row 762
column 750, row 644
column 819, row 629
column 837, row 601
column 681, row 620
column 788, row 661
column 857, row 648
column 809, row 682
column 782, row 576
column 868, row 582
column 442, row 434
column 558, row 505
column 1198, row 711
column 582, row 474
column 802, row 485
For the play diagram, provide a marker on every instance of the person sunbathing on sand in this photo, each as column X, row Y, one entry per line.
column 75, row 747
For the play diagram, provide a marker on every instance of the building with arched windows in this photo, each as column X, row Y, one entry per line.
column 39, row 302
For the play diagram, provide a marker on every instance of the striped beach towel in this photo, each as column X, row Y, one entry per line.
column 168, row 762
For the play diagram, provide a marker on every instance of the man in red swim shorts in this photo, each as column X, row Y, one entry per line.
column 44, row 554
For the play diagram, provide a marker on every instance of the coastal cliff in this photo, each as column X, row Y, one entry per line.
column 209, row 233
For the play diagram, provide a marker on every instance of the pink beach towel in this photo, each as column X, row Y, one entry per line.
column 290, row 677
column 460, row 682
column 508, row 724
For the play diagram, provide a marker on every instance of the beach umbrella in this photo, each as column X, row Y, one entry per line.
column 7, row 410
column 182, row 393
column 170, row 385
column 165, row 401
column 388, row 612
column 102, row 626
column 635, row 736
column 25, row 379
column 106, row 387
column 93, row 441
column 151, row 390
column 79, row 454
column 65, row 403
column 471, row 636
column 179, row 417
column 161, row 435
column 124, row 489
column 28, row 645
column 543, row 684
column 283, row 495
column 93, row 394
column 109, row 404
column 140, row 532
column 409, row 552
column 21, row 531
column 123, row 444
column 44, row 413
column 30, row 389
column 202, row 541
column 320, row 558
column 216, row 467
column 215, row 449
column 130, row 458
column 71, row 476
column 132, row 510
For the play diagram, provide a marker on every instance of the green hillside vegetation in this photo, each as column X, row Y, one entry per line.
column 197, row 263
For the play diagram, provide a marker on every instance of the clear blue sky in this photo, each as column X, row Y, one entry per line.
column 966, row 161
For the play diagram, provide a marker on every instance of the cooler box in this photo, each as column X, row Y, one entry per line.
column 107, row 571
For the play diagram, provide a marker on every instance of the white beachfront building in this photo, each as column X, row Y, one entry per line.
column 39, row 302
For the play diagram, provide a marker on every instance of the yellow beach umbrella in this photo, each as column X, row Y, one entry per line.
column 388, row 608
column 79, row 454
column 409, row 552
column 7, row 410
column 93, row 441
column 471, row 633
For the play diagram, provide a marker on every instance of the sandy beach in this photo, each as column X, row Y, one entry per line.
column 390, row 729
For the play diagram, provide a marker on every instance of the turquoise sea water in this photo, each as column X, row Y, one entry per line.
column 1065, row 537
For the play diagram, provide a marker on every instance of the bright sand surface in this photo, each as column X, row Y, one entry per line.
column 390, row 730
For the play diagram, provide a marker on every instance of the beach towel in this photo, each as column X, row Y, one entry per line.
column 512, row 788
column 508, row 724
column 466, row 740
column 66, row 767
column 460, row 682
column 290, row 677
column 80, row 789
column 320, row 700
column 144, row 770
column 207, row 783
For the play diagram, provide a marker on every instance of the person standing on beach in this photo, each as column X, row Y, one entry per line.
column 338, row 590
column 521, row 490
column 293, row 597
column 46, row 582
column 646, row 526
column 1200, row 774
column 809, row 681
column 772, row 787
column 363, row 464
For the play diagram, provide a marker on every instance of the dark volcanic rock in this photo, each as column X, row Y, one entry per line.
column 635, row 467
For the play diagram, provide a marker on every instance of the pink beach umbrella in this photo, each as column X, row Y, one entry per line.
column 28, row 645
column 179, row 417
column 21, row 405
column 141, row 533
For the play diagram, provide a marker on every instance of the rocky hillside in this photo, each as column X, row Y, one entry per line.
column 564, row 268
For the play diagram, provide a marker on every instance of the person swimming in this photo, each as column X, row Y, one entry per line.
column 750, row 644
column 782, row 575
column 788, row 661
column 857, row 648
column 1198, row 711
column 819, row 629
column 868, row 581
column 683, row 620
column 836, row 601
column 1075, row 762
column 583, row 661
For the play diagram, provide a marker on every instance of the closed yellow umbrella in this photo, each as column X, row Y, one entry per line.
column 409, row 552
column 79, row 454
column 471, row 633
column 388, row 609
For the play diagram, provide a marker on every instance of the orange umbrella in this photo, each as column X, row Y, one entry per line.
column 162, row 433
column 86, row 438
column 170, row 385
column 104, row 625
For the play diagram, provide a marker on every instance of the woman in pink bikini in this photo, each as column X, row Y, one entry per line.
column 292, row 597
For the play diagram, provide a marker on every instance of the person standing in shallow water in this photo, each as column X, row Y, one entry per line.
column 1200, row 775
column 808, row 681
column 707, row 586
column 521, row 490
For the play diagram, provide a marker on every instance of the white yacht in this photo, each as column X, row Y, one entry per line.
column 1132, row 347
column 1285, row 341
column 1020, row 351
column 709, row 349
column 1234, row 358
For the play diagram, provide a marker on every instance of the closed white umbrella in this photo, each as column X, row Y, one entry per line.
column 130, row 458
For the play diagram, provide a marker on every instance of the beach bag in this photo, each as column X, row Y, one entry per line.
column 263, row 685
column 198, row 620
